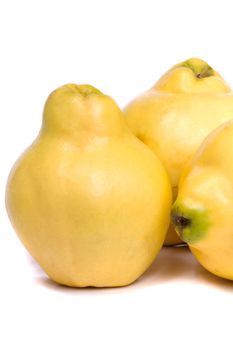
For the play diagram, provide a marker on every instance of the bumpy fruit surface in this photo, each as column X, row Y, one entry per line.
column 88, row 199
column 203, row 212
column 177, row 113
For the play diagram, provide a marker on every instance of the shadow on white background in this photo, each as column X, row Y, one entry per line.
column 172, row 264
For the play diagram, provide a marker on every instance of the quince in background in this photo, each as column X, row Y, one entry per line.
column 203, row 211
column 89, row 200
column 177, row 113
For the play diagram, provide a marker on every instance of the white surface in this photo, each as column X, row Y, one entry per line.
column 122, row 48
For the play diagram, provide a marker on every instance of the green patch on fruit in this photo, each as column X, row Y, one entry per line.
column 200, row 68
column 190, row 224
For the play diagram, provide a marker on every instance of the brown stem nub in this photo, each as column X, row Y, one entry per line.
column 180, row 221
column 203, row 75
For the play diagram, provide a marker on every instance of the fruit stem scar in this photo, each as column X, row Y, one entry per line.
column 203, row 75
column 84, row 90
column 200, row 76
column 181, row 221
column 200, row 68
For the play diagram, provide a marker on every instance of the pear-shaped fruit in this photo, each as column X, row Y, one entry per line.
column 203, row 211
column 88, row 199
column 177, row 113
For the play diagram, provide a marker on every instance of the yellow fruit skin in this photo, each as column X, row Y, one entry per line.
column 88, row 200
column 207, row 183
column 175, row 116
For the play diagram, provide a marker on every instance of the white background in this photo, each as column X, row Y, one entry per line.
column 122, row 48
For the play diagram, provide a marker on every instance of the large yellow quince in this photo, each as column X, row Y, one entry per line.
column 203, row 212
column 88, row 199
column 177, row 113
